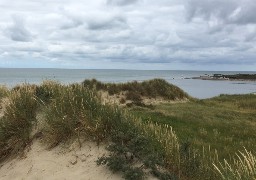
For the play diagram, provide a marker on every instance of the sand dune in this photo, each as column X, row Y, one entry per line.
column 58, row 164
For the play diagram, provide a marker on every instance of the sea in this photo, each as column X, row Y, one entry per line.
column 197, row 88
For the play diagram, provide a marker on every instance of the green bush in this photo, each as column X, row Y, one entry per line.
column 131, row 145
column 132, row 173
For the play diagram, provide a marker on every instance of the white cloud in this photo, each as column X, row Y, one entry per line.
column 115, row 32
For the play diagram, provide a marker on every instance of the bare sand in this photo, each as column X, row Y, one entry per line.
column 58, row 164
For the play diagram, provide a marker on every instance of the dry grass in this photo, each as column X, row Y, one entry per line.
column 242, row 167
column 135, row 91
column 17, row 121
column 4, row 91
column 73, row 113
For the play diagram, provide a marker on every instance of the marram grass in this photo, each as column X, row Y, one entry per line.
column 4, row 91
column 135, row 90
column 242, row 167
column 72, row 113
column 75, row 112
column 17, row 121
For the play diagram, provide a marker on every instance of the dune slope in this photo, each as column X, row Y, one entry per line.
column 58, row 163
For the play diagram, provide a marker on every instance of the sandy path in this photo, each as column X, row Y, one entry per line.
column 58, row 165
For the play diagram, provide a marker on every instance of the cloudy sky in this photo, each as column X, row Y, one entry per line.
column 129, row 34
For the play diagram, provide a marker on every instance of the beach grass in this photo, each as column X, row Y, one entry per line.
column 18, row 120
column 135, row 90
column 242, row 167
column 4, row 91
column 74, row 112
column 225, row 123
column 225, row 120
column 198, row 139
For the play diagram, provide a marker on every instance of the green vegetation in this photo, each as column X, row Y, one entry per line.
column 136, row 90
column 141, row 139
column 241, row 76
column 242, row 167
column 225, row 123
column 3, row 92
column 227, row 119
column 17, row 123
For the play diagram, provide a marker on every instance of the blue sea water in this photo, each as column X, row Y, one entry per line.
column 194, row 87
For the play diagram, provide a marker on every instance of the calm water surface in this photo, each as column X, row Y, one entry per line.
column 194, row 87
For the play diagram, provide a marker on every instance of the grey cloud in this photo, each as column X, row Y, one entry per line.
column 107, row 23
column 244, row 14
column 121, row 2
column 93, row 20
column 243, row 48
column 215, row 26
column 230, row 60
column 71, row 23
column 210, row 8
column 250, row 36
column 17, row 31
column 228, row 11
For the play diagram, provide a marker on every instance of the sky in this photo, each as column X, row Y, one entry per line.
column 129, row 34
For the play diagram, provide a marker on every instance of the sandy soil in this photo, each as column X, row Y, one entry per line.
column 58, row 164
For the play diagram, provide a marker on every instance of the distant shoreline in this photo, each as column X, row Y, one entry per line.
column 13, row 77
column 223, row 77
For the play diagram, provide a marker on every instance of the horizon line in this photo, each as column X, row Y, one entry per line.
column 124, row 69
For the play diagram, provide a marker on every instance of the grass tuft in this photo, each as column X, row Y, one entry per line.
column 136, row 90
column 71, row 114
column 17, row 121
column 242, row 167
column 4, row 91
